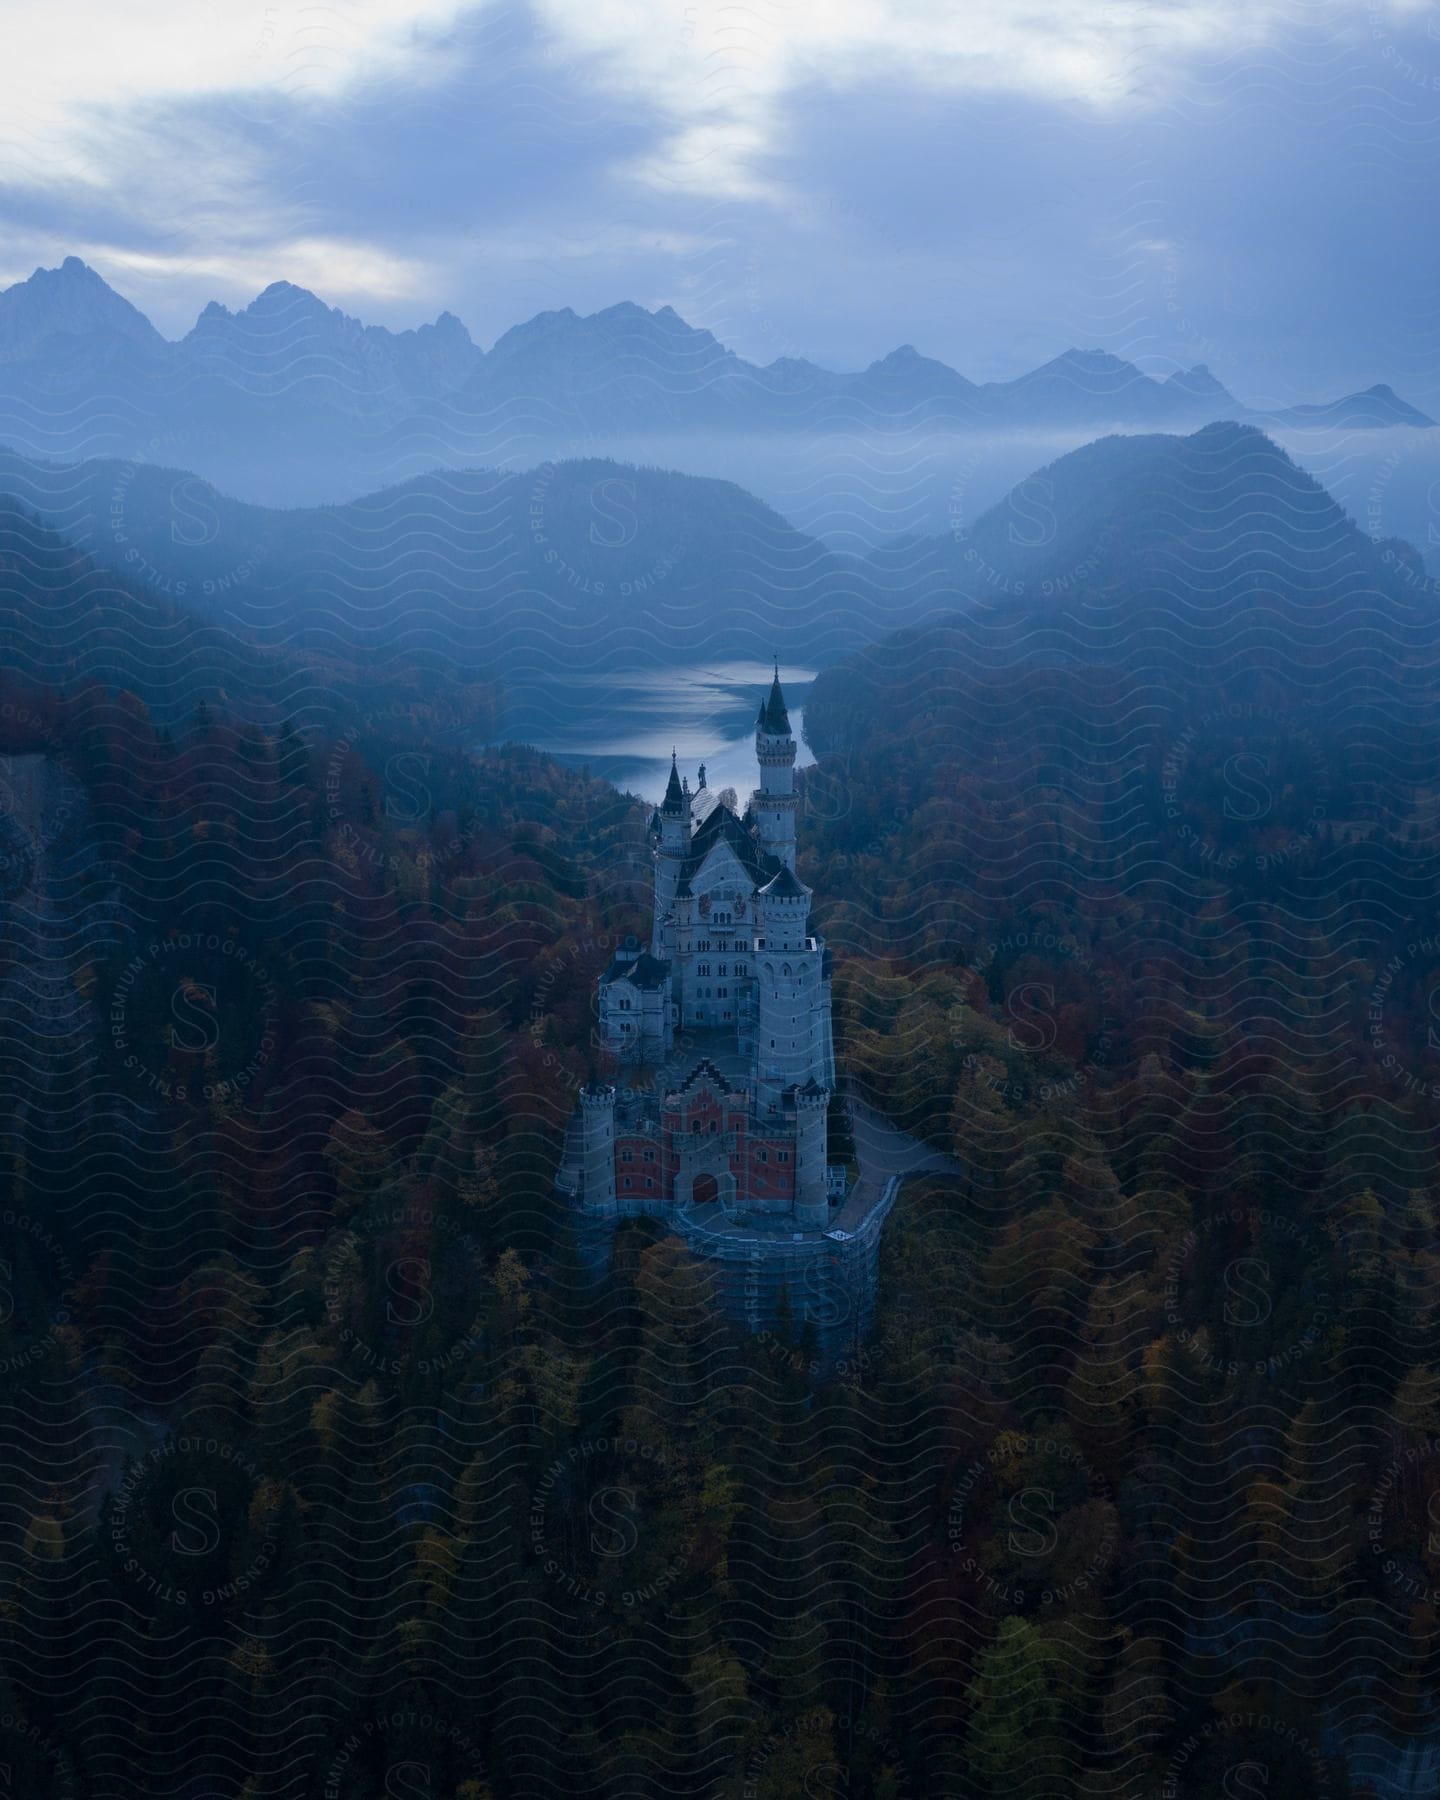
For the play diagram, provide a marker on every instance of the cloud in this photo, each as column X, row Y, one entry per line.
column 331, row 266
column 720, row 75
column 74, row 67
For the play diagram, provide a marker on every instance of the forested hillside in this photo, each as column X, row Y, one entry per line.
column 1134, row 895
column 583, row 562
column 67, row 617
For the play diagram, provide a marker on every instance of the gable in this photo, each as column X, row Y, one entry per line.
column 720, row 867
column 723, row 829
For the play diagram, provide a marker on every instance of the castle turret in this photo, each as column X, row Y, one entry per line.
column 775, row 798
column 597, row 1105
column 783, row 909
column 812, row 1198
column 788, row 989
column 670, row 853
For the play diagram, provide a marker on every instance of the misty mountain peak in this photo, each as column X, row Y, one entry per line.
column 282, row 302
column 284, row 296
column 624, row 309
column 71, row 301
column 1199, row 385
column 665, row 324
column 1100, row 362
column 920, row 378
column 600, row 340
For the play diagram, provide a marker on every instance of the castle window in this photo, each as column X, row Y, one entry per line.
column 624, row 1006
column 627, row 1156
column 722, row 993
column 648, row 1182
column 783, row 1156
column 649, row 1156
column 627, row 1181
column 763, row 1155
column 785, row 969
column 704, row 969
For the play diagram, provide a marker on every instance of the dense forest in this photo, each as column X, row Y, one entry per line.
column 1135, row 905
column 329, row 1471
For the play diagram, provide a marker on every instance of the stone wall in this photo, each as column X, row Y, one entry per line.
column 829, row 1278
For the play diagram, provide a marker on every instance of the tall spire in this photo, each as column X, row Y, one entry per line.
column 774, row 802
column 674, row 800
column 774, row 716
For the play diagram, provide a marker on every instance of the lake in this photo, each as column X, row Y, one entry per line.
column 623, row 724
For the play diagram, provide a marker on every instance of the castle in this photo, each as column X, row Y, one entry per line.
column 717, row 1118
column 733, row 978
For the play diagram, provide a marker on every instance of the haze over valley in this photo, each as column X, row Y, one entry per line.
column 288, row 401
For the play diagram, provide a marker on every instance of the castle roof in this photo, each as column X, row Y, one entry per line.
column 774, row 717
column 785, row 886
column 703, row 803
column 642, row 971
column 706, row 1074
column 721, row 826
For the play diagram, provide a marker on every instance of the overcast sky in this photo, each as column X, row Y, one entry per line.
column 1246, row 183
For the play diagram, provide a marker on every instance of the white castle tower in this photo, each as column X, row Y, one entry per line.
column 789, row 990
column 774, row 801
column 597, row 1109
column 812, row 1200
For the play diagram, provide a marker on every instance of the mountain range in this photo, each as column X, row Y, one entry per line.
column 591, row 564
column 291, row 398
column 462, row 576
